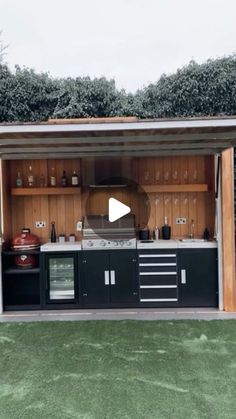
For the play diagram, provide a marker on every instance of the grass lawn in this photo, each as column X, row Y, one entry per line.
column 118, row 369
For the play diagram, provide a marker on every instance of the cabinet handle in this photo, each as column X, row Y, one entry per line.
column 133, row 260
column 106, row 277
column 84, row 261
column 183, row 276
column 85, row 294
column 113, row 278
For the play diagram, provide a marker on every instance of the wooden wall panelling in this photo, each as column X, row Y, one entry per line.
column 167, row 201
column 152, row 217
column 61, row 215
column 192, row 169
column 159, row 209
column 77, row 206
column 193, row 212
column 28, row 212
column 44, row 206
column 201, row 168
column 175, row 170
column 184, row 169
column 184, row 213
column 135, row 169
column 176, row 231
column 158, row 170
column 166, row 170
column 6, row 204
column 52, row 212
column 228, row 230
column 201, row 214
column 36, row 215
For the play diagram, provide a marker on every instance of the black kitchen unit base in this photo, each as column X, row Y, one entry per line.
column 198, row 278
column 109, row 279
column 21, row 286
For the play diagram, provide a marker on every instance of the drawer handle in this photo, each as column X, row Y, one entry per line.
column 113, row 278
column 183, row 276
column 106, row 277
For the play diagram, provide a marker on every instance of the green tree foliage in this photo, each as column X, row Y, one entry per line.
column 194, row 90
column 83, row 97
column 26, row 95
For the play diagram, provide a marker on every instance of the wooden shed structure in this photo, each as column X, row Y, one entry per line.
column 176, row 161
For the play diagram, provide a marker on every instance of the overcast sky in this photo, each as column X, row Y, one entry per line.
column 132, row 41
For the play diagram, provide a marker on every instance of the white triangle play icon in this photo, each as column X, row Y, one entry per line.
column 117, row 210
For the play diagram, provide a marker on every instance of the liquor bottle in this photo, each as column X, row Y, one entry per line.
column 75, row 179
column 64, row 180
column 31, row 179
column 19, row 181
column 53, row 233
column 42, row 181
column 166, row 230
column 53, row 180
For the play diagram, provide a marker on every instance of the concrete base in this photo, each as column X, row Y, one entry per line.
column 118, row 314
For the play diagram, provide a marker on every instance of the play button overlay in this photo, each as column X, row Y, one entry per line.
column 116, row 206
column 117, row 210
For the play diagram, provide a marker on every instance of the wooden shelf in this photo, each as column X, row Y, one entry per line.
column 46, row 191
column 197, row 187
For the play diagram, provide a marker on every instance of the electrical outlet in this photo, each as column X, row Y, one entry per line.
column 40, row 224
column 79, row 226
column 181, row 220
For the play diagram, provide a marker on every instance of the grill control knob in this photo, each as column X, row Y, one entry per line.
column 115, row 243
column 122, row 243
column 102, row 243
column 90, row 243
column 128, row 243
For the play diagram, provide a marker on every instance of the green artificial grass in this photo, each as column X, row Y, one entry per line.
column 118, row 369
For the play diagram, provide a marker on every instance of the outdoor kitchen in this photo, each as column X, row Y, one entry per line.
column 99, row 226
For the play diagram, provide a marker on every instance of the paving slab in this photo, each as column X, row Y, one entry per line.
column 117, row 314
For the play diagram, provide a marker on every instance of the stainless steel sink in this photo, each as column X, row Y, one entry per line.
column 192, row 240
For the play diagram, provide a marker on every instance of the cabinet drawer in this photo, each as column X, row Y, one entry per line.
column 158, row 294
column 158, row 269
column 158, row 280
column 157, row 258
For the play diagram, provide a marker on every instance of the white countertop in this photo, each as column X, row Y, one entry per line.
column 61, row 247
column 176, row 244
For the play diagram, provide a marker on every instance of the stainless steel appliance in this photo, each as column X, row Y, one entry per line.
column 100, row 234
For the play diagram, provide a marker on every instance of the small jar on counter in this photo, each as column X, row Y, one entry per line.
column 61, row 238
column 72, row 238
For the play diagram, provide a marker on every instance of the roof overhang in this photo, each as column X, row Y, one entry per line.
column 131, row 137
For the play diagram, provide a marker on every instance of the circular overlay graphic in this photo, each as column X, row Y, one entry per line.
column 98, row 208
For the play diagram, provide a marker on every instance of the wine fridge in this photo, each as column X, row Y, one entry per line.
column 61, row 277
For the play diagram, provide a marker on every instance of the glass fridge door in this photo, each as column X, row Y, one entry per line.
column 61, row 278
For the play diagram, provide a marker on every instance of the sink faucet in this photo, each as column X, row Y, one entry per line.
column 192, row 226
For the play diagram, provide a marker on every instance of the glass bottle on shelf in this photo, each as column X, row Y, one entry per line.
column 19, row 181
column 31, row 180
column 64, row 181
column 42, row 181
column 53, row 236
column 53, row 180
column 75, row 179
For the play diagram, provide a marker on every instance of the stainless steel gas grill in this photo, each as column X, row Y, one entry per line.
column 100, row 234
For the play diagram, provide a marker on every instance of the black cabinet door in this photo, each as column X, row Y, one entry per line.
column 95, row 278
column 123, row 277
column 198, row 279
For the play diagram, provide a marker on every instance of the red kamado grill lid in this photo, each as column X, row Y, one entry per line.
column 25, row 240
